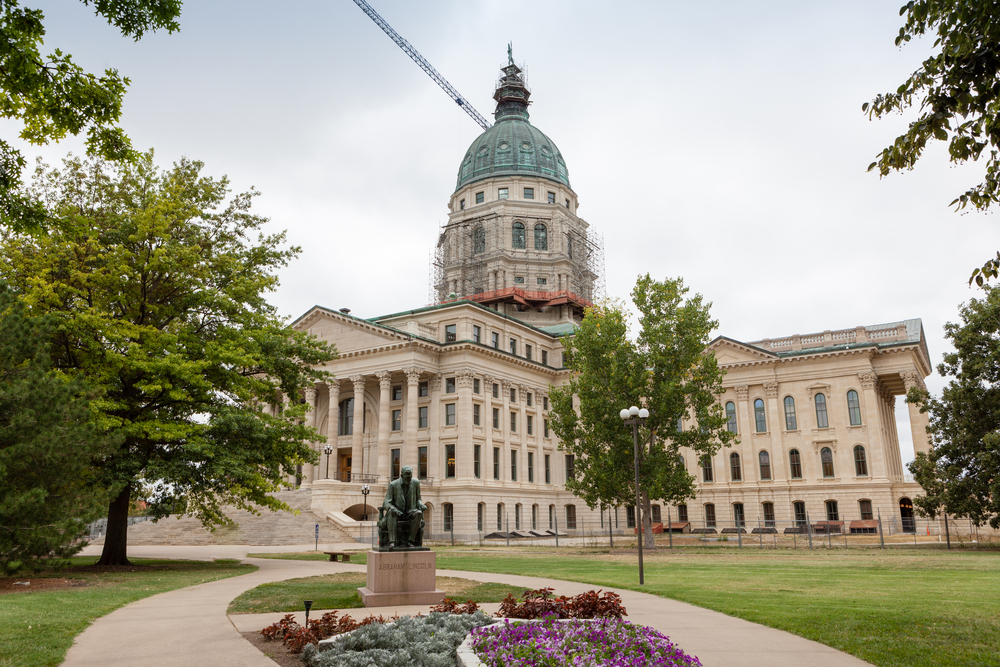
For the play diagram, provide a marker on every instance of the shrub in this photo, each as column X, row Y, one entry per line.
column 298, row 637
column 540, row 603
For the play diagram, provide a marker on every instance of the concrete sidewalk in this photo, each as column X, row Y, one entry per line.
column 190, row 626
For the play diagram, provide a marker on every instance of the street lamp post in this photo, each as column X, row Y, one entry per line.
column 365, row 490
column 633, row 417
column 327, row 450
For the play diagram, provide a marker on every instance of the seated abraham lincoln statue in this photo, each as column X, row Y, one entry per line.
column 401, row 517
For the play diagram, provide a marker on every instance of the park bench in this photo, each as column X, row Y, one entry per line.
column 335, row 556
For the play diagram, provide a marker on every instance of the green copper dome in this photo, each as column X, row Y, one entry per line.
column 513, row 146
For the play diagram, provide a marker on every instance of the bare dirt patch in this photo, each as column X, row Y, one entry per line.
column 17, row 585
column 275, row 650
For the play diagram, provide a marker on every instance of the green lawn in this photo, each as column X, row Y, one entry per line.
column 37, row 628
column 891, row 608
column 340, row 591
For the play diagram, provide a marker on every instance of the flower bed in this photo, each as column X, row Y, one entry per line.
column 606, row 642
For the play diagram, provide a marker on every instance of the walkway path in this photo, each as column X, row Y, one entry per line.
column 190, row 627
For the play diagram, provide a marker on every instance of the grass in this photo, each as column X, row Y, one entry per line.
column 37, row 628
column 891, row 608
column 359, row 558
column 340, row 591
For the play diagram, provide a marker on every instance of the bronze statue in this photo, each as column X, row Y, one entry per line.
column 401, row 517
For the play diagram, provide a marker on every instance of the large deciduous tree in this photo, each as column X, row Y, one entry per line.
column 53, row 97
column 961, row 473
column 668, row 370
column 156, row 282
column 47, row 441
column 957, row 90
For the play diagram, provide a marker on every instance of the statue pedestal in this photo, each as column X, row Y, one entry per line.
column 398, row 578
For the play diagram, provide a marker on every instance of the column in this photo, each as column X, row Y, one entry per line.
column 434, row 468
column 308, row 469
column 505, row 427
column 384, row 425
column 357, row 440
column 463, row 416
column 918, row 420
column 332, row 426
column 409, row 453
column 869, row 383
column 777, row 421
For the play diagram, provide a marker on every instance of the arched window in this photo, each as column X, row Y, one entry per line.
column 480, row 511
column 517, row 240
column 541, row 237
column 479, row 240
column 796, row 463
column 734, row 466
column 680, row 462
column 706, row 468
column 731, row 417
column 709, row 515
column 865, row 507
column 765, row 465
column 860, row 462
column 499, row 516
column 768, row 509
column 799, row 509
column 738, row 516
column 449, row 517
column 758, row 414
column 345, row 424
column 571, row 517
column 821, row 419
column 854, row 408
column 832, row 513
column 826, row 456
column 534, row 517
column 517, row 516
column 790, row 423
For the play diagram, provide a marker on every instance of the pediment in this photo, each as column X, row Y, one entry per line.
column 728, row 351
column 349, row 334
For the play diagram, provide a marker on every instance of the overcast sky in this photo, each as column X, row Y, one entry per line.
column 723, row 142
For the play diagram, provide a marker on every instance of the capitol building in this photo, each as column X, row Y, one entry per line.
column 459, row 390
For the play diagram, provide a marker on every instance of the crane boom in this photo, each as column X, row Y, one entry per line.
column 424, row 65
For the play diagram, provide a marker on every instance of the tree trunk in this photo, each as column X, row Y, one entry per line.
column 116, row 539
column 647, row 522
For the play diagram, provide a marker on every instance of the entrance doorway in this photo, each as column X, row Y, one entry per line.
column 344, row 466
column 906, row 515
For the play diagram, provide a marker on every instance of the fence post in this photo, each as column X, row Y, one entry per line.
column 809, row 531
column 881, row 537
column 947, row 534
column 670, row 528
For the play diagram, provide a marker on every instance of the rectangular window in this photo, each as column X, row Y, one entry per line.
column 499, row 516
column 461, row 205
column 738, row 514
column 496, row 390
column 545, row 360
column 552, row 198
column 548, row 470
column 476, row 460
column 495, row 340
column 768, row 515
column 397, row 392
column 480, row 197
column 475, row 385
column 449, row 517
column 630, row 516
column 496, row 418
column 422, row 417
column 449, row 414
column 518, row 280
column 449, row 334
column 531, row 425
column 394, row 457
column 449, row 385
column 706, row 468
column 542, row 281
column 477, row 334
column 513, row 346
column 529, row 193
column 397, row 420
column 791, row 423
column 513, row 422
column 799, row 509
column 423, row 390
column 479, row 517
column 545, row 424
column 655, row 512
column 682, row 513
column 513, row 395
column 527, row 399
column 710, row 515
column 513, row 466
column 570, row 466
column 831, row 511
column 421, row 463
column 567, row 203
column 449, row 461
column 534, row 517
column 571, row 517
column 527, row 352
column 503, row 193
column 475, row 414
column 496, row 463
column 531, row 466
column 866, row 510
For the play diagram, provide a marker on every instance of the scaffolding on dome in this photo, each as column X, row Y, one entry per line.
column 476, row 258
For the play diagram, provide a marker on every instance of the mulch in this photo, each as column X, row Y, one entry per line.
column 275, row 650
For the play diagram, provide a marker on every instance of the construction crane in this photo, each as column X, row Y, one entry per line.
column 424, row 65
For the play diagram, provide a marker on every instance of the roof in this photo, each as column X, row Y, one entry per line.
column 512, row 147
column 904, row 332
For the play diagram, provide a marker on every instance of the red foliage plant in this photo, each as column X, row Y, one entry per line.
column 298, row 637
column 539, row 603
column 453, row 607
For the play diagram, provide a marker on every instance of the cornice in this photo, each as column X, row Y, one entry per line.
column 868, row 351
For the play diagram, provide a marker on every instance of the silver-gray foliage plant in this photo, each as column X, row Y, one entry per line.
column 427, row 641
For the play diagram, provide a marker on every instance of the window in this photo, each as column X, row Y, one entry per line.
column 518, row 280
column 682, row 513
column 517, row 236
column 499, row 516
column 571, row 517
column 768, row 514
column 654, row 511
column 765, row 465
column 496, row 463
column 831, row 511
column 860, row 462
column 513, row 395
column 517, row 516
column 496, row 418
column 496, row 390
column 527, row 399
column 826, row 457
column 542, row 281
column 345, row 425
column 866, row 510
column 529, row 193
column 680, row 424
column 545, row 428
column 495, row 340
column 570, row 466
column 795, row 461
column 630, row 517
column 449, row 517
column 548, row 471
column 479, row 240
column 461, row 205
column 513, row 348
column 480, row 510
column 476, row 460
column 422, row 417
column 567, row 203
column 821, row 419
column 545, row 402
column 541, row 237
column 534, row 517
column 449, row 333
column 790, row 423
column 758, row 415
column 854, row 408
column 449, row 385
column 475, row 385
column 709, row 515
column 680, row 462
column 394, row 457
column 738, row 515
column 397, row 420
column 397, row 392
column 527, row 353
column 477, row 334
column 734, row 466
column 545, row 362
column 531, row 466
column 449, row 414
column 421, row 463
column 552, row 198
column 503, row 193
column 513, row 422
column 706, row 468
column 531, row 425
column 475, row 414
column 731, row 417
column 480, row 197
column 449, row 461
column 423, row 390
column 799, row 509
column 513, row 465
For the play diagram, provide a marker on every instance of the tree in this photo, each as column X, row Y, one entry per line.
column 668, row 370
column 961, row 473
column 46, row 444
column 156, row 286
column 958, row 93
column 54, row 97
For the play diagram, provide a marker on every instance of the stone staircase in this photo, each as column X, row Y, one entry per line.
column 267, row 529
